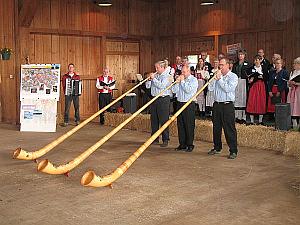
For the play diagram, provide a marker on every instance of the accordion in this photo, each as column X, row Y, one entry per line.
column 73, row 87
column 108, row 85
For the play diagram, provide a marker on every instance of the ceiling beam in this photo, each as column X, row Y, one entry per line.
column 27, row 11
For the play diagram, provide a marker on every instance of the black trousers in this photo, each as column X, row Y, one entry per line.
column 104, row 100
column 68, row 100
column 224, row 117
column 159, row 115
column 186, row 125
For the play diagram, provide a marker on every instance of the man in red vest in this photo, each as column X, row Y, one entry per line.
column 105, row 84
column 70, row 95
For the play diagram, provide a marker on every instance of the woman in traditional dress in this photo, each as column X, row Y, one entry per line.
column 256, row 104
column 277, row 86
column 241, row 69
column 294, row 94
column 202, row 75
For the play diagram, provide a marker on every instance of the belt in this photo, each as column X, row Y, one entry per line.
column 163, row 96
column 224, row 103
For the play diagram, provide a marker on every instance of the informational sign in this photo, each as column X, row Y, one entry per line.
column 38, row 115
column 232, row 49
column 40, row 81
column 39, row 93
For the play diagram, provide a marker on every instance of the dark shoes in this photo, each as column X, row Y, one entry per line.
column 181, row 148
column 232, row 156
column 77, row 123
column 164, row 144
column 190, row 148
column 185, row 148
column 214, row 151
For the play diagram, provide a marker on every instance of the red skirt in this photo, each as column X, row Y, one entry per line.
column 271, row 107
column 257, row 102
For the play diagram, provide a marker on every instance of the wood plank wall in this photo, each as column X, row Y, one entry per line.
column 78, row 31
column 8, row 79
column 269, row 24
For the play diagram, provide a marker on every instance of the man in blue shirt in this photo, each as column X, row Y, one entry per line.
column 160, row 109
column 185, row 89
column 224, row 87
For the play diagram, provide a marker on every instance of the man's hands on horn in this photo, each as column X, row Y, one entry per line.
column 180, row 78
column 151, row 76
column 218, row 75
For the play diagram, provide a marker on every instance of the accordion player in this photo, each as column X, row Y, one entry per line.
column 73, row 87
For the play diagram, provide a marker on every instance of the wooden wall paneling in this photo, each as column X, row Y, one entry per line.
column 249, row 43
column 88, row 100
column 27, row 12
column 114, row 46
column 46, row 39
column 62, row 16
column 114, row 63
column 145, row 56
column 78, row 55
column 78, row 15
column 86, row 56
column 102, row 18
column 140, row 17
column 72, row 14
column 55, row 57
column 38, row 49
column 130, row 65
column 46, row 13
column 63, row 53
column 85, row 13
column 131, row 47
column 96, row 59
column 71, row 49
column 54, row 14
column 95, row 18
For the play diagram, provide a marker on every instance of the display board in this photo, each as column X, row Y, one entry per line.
column 40, row 81
column 38, row 115
column 39, row 93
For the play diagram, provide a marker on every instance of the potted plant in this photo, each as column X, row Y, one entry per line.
column 5, row 53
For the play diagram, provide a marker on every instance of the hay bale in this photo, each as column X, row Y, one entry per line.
column 292, row 144
column 204, row 131
column 260, row 137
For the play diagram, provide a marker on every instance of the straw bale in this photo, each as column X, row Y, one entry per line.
column 292, row 144
column 260, row 137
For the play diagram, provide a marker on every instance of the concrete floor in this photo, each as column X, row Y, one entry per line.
column 162, row 186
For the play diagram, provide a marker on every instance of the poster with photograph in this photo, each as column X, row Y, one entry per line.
column 38, row 115
column 40, row 81
column 232, row 50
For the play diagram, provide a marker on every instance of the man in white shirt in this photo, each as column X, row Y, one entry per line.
column 105, row 84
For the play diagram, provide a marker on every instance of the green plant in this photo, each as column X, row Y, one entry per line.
column 6, row 50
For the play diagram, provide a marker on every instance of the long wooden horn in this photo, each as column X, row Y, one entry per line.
column 19, row 153
column 92, row 180
column 47, row 167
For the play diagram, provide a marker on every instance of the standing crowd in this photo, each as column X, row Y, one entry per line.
column 237, row 92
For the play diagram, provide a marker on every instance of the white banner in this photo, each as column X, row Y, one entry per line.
column 38, row 115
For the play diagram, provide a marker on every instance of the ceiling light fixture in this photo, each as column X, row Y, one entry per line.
column 208, row 2
column 104, row 3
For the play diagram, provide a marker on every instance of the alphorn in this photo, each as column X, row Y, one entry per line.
column 19, row 153
column 47, row 167
column 90, row 178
